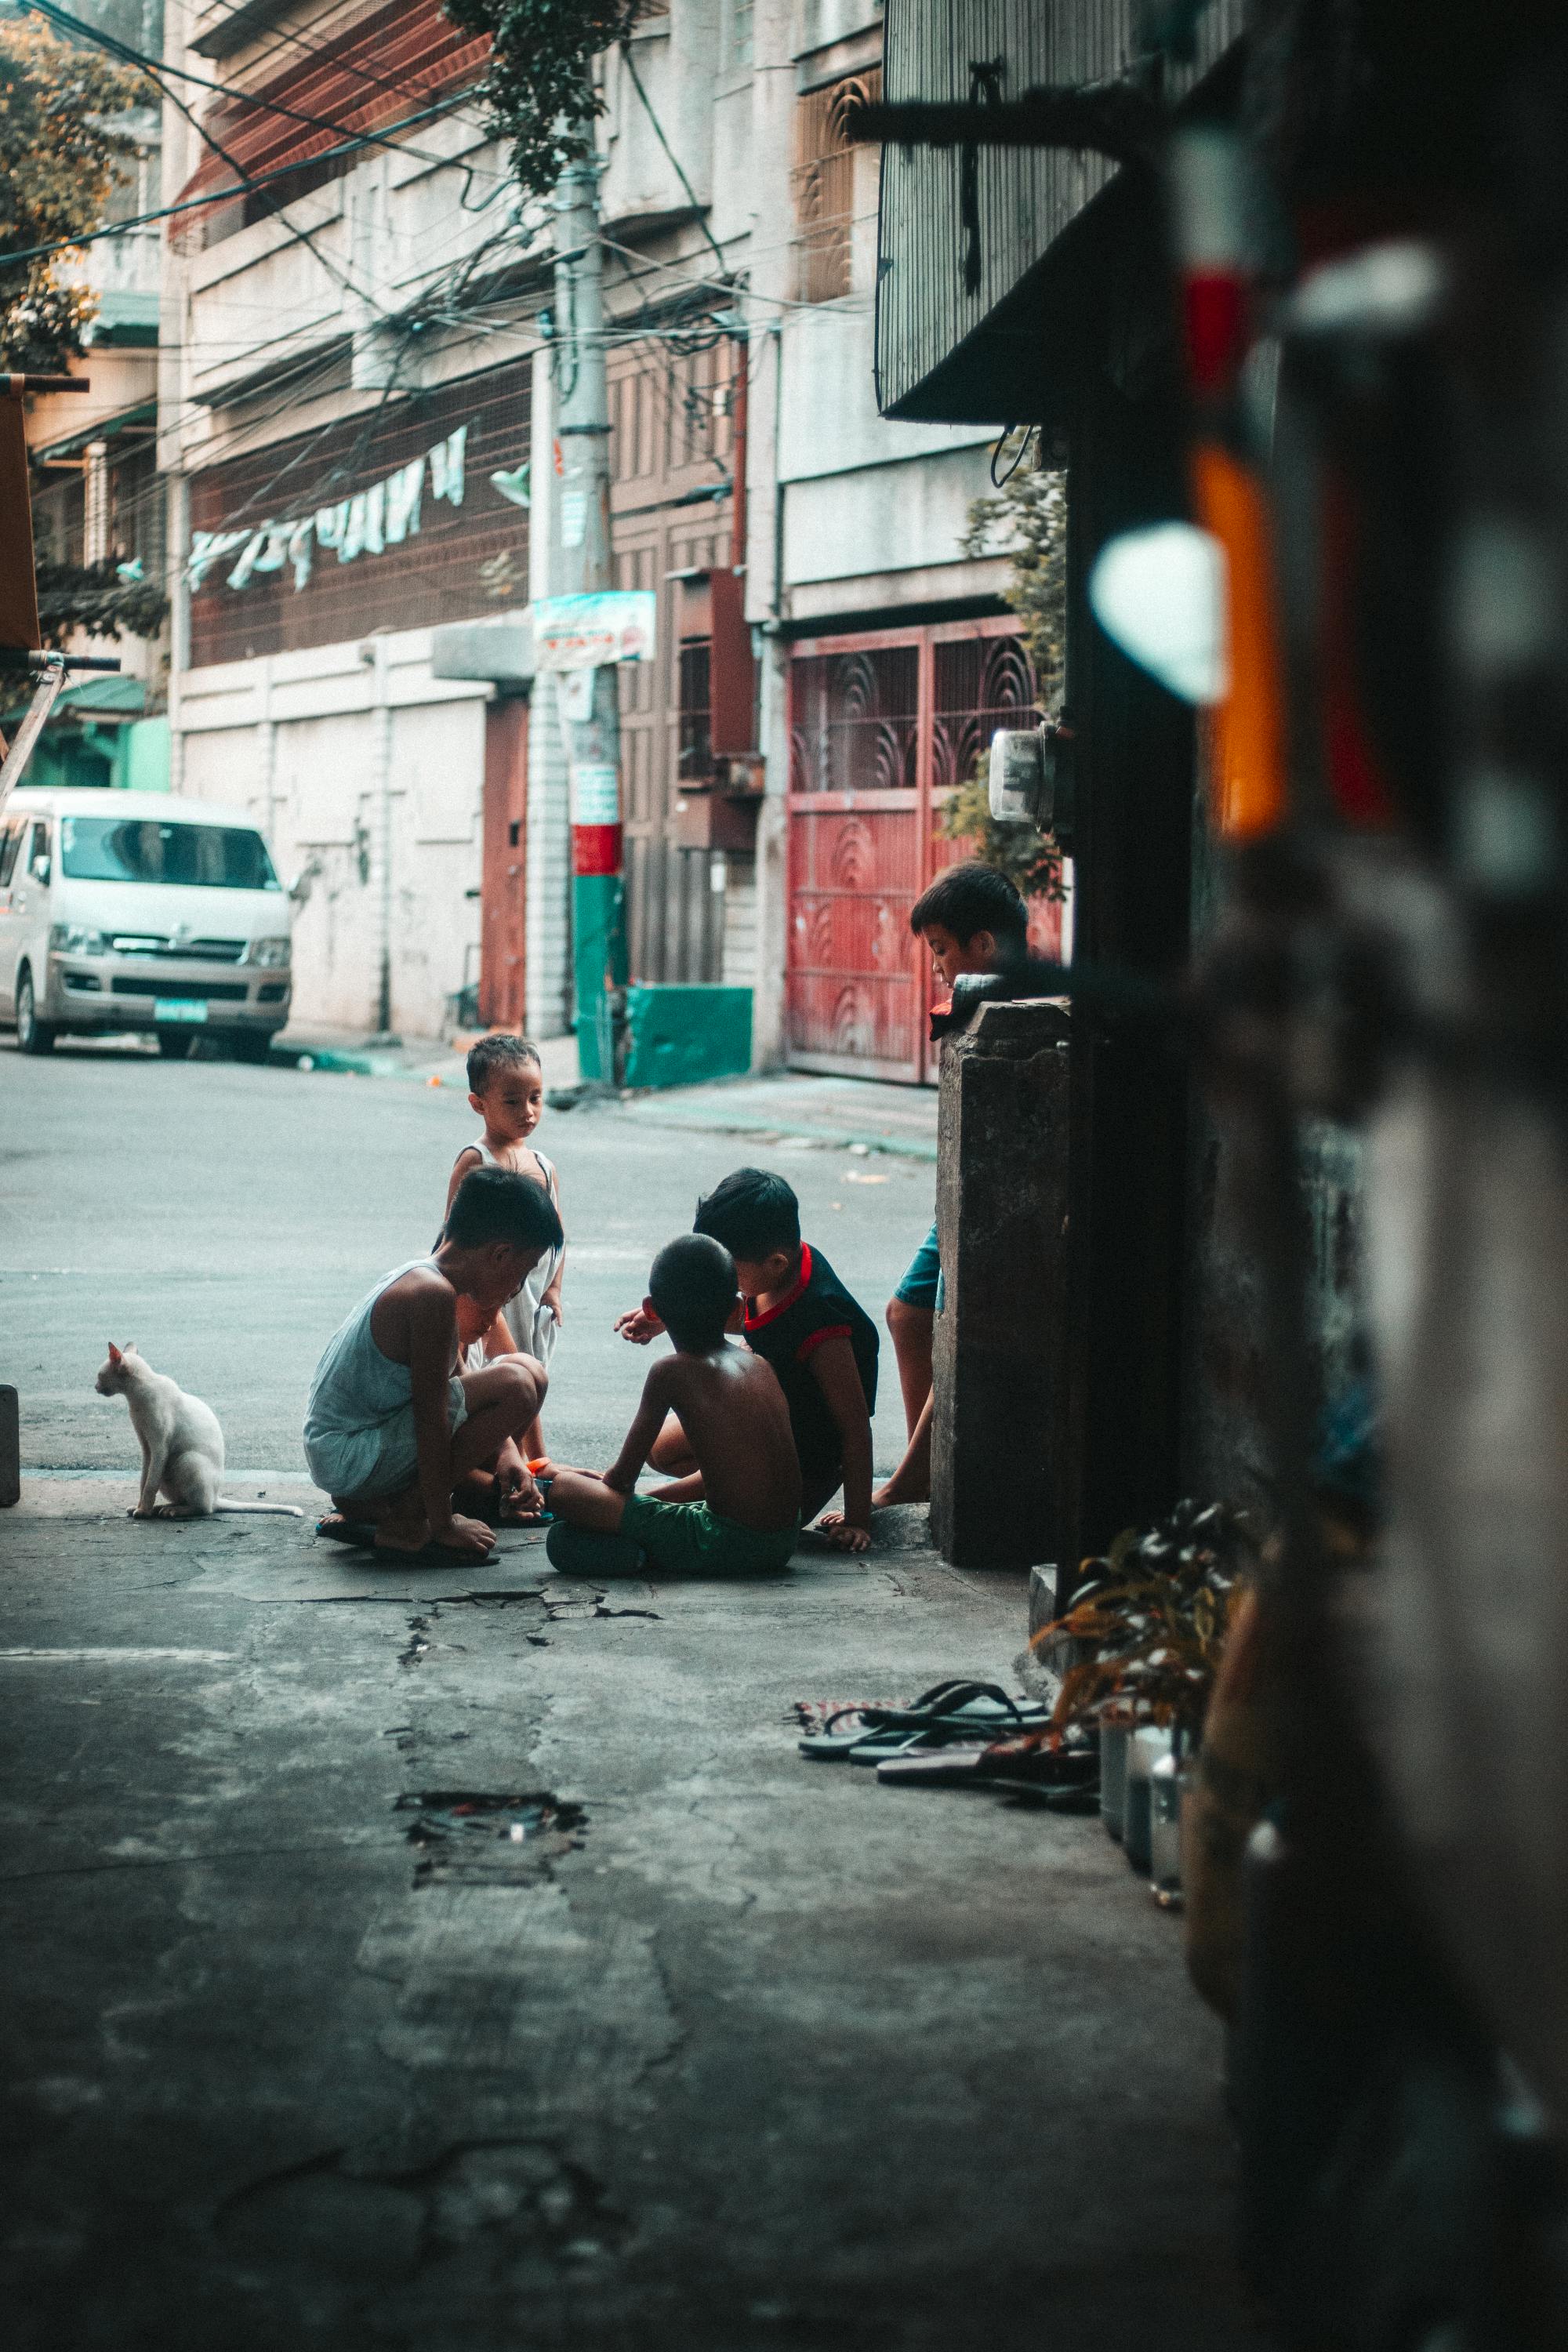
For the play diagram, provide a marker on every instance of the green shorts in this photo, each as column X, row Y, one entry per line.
column 690, row 1539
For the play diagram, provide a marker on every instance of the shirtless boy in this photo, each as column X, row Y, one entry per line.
column 392, row 1427
column 819, row 1340
column 737, row 1427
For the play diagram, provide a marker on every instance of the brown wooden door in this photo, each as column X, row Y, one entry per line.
column 503, row 966
column 883, row 725
column 672, row 444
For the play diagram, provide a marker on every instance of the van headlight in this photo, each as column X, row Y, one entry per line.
column 271, row 954
column 76, row 938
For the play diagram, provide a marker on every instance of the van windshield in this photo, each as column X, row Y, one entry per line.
column 144, row 849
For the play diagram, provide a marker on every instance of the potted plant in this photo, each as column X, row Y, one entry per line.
column 1148, row 1629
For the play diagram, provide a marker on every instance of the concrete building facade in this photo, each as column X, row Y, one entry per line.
column 355, row 420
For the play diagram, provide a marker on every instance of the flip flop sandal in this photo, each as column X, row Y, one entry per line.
column 951, row 1711
column 969, row 1705
column 820, row 1744
column 1014, row 1764
column 335, row 1528
column 1054, row 1800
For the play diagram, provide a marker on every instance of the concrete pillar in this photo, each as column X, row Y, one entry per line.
column 179, row 548
column 97, row 544
column 548, row 882
column 1000, row 1429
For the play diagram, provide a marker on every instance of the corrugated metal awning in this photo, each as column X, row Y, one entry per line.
column 390, row 62
column 977, row 255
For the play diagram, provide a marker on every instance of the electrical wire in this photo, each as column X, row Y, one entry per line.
column 157, row 68
column 300, row 236
column 322, row 51
column 218, row 196
column 700, row 210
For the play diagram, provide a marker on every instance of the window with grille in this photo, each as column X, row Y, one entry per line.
column 737, row 34
column 824, row 181
column 696, row 748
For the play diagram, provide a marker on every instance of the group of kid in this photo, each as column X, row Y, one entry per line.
column 423, row 1423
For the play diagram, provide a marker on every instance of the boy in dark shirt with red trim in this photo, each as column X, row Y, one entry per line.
column 819, row 1340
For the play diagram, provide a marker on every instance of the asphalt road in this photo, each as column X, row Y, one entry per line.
column 726, row 2051
column 226, row 1219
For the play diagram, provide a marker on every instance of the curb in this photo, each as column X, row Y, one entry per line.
column 833, row 1138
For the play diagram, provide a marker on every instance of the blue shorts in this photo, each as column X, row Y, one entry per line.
column 922, row 1285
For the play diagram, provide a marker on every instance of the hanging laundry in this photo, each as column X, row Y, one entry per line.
column 275, row 552
column 240, row 577
column 446, row 461
column 514, row 486
column 208, row 548
column 383, row 515
column 300, row 551
column 352, row 541
column 404, row 490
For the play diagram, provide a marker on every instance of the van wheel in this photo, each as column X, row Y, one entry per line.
column 33, row 1035
column 175, row 1044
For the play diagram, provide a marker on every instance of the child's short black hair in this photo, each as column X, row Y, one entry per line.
column 752, row 1213
column 489, row 1056
column 693, row 1288
column 972, row 897
column 495, row 1204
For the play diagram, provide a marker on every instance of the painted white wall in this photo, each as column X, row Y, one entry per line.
column 293, row 741
column 884, row 518
column 829, row 422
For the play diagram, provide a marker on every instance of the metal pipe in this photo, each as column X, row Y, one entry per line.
column 381, row 787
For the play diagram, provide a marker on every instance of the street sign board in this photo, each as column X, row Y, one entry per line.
column 590, row 632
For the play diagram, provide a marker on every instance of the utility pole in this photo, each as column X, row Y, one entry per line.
column 588, row 700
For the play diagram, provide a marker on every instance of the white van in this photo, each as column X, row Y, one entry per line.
column 136, row 910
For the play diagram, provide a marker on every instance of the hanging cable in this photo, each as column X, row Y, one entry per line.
column 701, row 211
column 218, row 196
column 158, row 70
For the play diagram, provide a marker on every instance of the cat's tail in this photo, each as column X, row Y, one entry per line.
column 263, row 1510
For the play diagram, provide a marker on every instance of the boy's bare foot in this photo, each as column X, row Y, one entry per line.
column 402, row 1535
column 469, row 1538
column 836, row 1529
column 898, row 1489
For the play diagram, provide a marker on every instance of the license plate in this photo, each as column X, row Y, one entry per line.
column 179, row 1008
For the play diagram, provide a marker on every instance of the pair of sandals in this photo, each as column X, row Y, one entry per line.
column 960, row 1732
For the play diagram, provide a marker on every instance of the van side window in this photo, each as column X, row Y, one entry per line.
column 38, row 846
column 10, row 842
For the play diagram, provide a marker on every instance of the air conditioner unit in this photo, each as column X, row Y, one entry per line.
column 1026, row 765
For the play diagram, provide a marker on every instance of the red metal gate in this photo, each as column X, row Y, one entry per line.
column 882, row 725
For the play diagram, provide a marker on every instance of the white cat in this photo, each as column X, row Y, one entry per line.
column 181, row 1444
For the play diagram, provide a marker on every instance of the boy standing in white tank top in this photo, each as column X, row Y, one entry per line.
column 506, row 1087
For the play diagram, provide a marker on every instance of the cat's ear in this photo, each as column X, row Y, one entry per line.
column 113, row 1353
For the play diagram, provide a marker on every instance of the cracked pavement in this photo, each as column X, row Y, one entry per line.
column 724, row 2050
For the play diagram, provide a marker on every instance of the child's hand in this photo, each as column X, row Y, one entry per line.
column 639, row 1326
column 551, row 1299
column 839, row 1531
